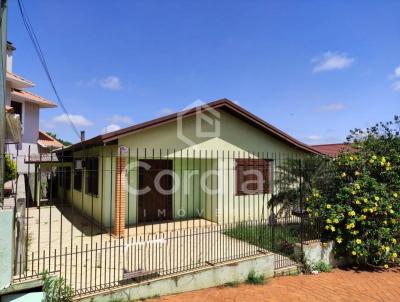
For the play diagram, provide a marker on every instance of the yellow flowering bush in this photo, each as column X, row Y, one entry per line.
column 360, row 209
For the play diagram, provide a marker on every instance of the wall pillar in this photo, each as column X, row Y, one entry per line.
column 120, row 197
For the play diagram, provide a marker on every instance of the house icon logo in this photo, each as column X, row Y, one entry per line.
column 207, row 122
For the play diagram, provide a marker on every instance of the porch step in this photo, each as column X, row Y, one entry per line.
column 287, row 271
column 27, row 297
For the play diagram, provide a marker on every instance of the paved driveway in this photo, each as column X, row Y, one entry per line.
column 339, row 285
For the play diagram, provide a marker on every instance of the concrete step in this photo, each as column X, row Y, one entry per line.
column 26, row 297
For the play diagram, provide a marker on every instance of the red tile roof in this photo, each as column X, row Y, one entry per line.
column 33, row 98
column 47, row 141
column 16, row 78
column 333, row 149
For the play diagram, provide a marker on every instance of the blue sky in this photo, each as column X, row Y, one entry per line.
column 312, row 68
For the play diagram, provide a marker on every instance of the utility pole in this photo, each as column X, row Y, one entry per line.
column 3, row 39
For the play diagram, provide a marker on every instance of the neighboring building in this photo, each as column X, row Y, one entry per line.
column 333, row 150
column 47, row 143
column 27, row 105
column 99, row 176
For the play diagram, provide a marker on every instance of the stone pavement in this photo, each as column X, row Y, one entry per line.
column 339, row 285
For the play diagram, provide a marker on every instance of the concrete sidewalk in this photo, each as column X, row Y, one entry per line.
column 340, row 285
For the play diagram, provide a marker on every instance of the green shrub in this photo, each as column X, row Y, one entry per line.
column 10, row 169
column 56, row 289
column 322, row 266
column 254, row 278
column 360, row 209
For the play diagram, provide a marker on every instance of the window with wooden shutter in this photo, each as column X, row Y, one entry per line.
column 253, row 176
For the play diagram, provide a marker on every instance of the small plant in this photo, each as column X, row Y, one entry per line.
column 10, row 169
column 254, row 278
column 55, row 289
column 322, row 266
column 232, row 284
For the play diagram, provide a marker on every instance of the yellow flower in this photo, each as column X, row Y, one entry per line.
column 358, row 202
column 374, row 157
column 365, row 200
column 358, row 241
column 386, row 266
column 351, row 158
column 365, row 210
column 394, row 255
column 339, row 240
column 327, row 227
column 363, row 217
column 387, row 249
column 393, row 221
column 357, row 173
column 395, row 195
column 371, row 161
column 336, row 220
column 328, row 221
column 391, row 211
column 333, row 228
column 343, row 174
column 355, row 232
column 328, row 206
column 385, row 222
column 388, row 168
column 353, row 253
column 357, row 186
column 394, row 240
column 383, row 159
column 353, row 192
column 376, row 198
column 352, row 213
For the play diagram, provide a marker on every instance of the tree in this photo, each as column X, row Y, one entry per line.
column 65, row 143
column 294, row 179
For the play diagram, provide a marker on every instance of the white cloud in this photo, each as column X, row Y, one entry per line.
column 396, row 86
column 331, row 61
column 332, row 107
column 110, row 128
column 76, row 119
column 395, row 74
column 111, row 83
column 314, row 137
column 165, row 111
column 123, row 119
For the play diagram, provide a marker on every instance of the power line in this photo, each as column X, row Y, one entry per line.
column 42, row 60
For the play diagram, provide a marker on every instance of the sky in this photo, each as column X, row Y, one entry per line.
column 314, row 69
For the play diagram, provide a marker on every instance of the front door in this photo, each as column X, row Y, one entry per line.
column 155, row 203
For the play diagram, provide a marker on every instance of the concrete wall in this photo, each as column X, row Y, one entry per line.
column 205, row 278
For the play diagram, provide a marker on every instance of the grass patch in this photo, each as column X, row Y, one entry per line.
column 254, row 278
column 265, row 235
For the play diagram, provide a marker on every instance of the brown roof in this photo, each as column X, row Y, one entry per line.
column 47, row 141
column 223, row 104
column 29, row 96
column 333, row 149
